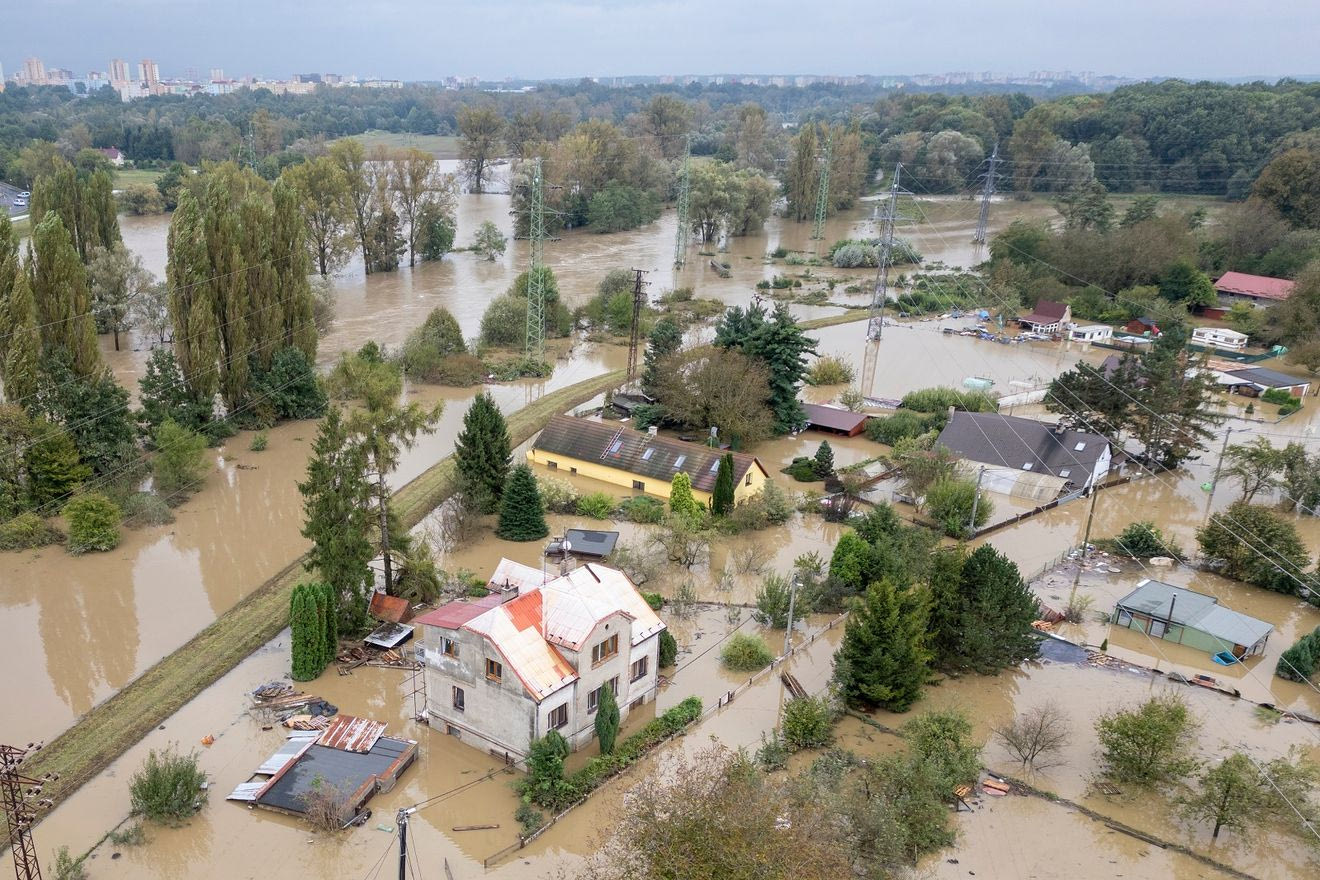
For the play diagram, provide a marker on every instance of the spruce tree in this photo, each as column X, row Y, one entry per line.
column 664, row 340
column 681, row 500
column 824, row 461
column 522, row 513
column 307, row 637
column 482, row 454
column 607, row 719
column 997, row 610
column 883, row 660
column 721, row 499
column 779, row 343
column 59, row 288
column 196, row 345
column 336, row 497
column 23, row 349
column 54, row 471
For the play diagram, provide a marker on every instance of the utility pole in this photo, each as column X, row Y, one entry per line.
column 684, row 210
column 976, row 501
column 1086, row 542
column 635, row 337
column 1219, row 466
column 792, row 601
column 20, row 809
column 876, row 324
column 987, row 191
column 535, row 283
column 401, row 820
column 822, row 194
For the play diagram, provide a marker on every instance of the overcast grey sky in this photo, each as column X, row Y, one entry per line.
column 426, row 39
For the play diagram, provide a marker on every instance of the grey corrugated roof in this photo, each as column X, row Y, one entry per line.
column 591, row 542
column 1153, row 598
column 1267, row 377
column 1015, row 442
column 346, row 771
column 618, row 447
column 1195, row 611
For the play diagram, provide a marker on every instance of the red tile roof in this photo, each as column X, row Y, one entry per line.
column 394, row 609
column 458, row 612
column 1258, row 286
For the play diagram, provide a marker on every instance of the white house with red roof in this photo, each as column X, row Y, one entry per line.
column 534, row 655
column 1258, row 291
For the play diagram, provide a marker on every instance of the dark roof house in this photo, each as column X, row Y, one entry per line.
column 1027, row 445
column 1047, row 315
column 834, row 420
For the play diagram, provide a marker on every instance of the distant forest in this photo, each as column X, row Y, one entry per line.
column 1172, row 136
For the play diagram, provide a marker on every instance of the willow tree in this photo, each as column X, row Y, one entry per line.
column 59, row 287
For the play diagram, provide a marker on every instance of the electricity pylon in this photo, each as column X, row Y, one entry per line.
column 987, row 191
column 822, row 195
column 535, row 281
column 684, row 199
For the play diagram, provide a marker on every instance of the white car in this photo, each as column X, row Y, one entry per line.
column 25, row 195
column 20, row 203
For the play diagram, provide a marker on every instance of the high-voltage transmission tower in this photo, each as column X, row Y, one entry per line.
column 535, row 277
column 987, row 191
column 822, row 194
column 20, row 799
column 635, row 333
column 684, row 200
column 888, row 217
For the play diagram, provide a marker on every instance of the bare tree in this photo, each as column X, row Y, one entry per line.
column 683, row 542
column 325, row 807
column 1037, row 736
column 639, row 563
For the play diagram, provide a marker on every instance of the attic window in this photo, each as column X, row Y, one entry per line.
column 1081, row 444
column 646, row 456
column 715, row 466
column 616, row 446
column 1027, row 466
column 678, row 462
column 1065, row 472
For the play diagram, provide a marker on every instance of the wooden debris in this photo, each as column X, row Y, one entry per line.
column 794, row 686
column 475, row 827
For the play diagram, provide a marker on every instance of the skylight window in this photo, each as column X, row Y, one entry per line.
column 646, row 456
column 1065, row 472
column 678, row 462
column 715, row 466
column 1027, row 466
column 616, row 446
column 1081, row 444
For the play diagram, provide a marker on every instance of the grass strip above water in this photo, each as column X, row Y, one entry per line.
column 116, row 725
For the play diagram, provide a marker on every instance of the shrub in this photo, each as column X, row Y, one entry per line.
column 668, row 649
column 325, row 806
column 941, row 741
column 607, row 719
column 1299, row 662
column 145, row 509
column 133, row 835
column 180, row 462
column 830, row 370
column 808, row 723
column 505, row 321
column 1143, row 539
column 66, row 867
column 365, row 376
column 939, row 399
column 597, row 505
column 803, row 470
column 289, row 389
column 1283, row 400
column 746, row 653
column 259, row 442
column 655, row 600
column 529, row 818
column 1221, row 540
column 426, row 348
column 950, row 500
column 772, row 601
column 559, row 495
column 779, row 253
column 93, row 523
column 26, row 531
column 642, row 509
column 902, row 425
column 168, row 786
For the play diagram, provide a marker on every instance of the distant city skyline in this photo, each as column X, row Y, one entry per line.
column 565, row 39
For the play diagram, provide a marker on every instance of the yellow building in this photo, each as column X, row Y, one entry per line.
column 639, row 461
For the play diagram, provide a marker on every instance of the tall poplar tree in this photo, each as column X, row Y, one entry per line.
column 228, row 289
column 265, row 320
column 292, row 267
column 801, row 176
column 23, row 348
column 59, row 288
column 196, row 346
column 482, row 454
column 336, row 496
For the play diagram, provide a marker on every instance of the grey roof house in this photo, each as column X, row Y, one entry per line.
column 1025, row 457
column 1177, row 614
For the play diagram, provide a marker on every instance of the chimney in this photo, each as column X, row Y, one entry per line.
column 652, row 431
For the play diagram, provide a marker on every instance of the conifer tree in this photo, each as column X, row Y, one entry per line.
column 196, row 346
column 681, row 500
column 607, row 719
column 335, row 501
column 721, row 499
column 22, row 352
column 824, row 461
column 307, row 637
column 664, row 340
column 996, row 611
column 883, row 660
column 522, row 513
column 331, row 607
column 779, row 343
column 482, row 454
column 54, row 471
column 59, row 288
